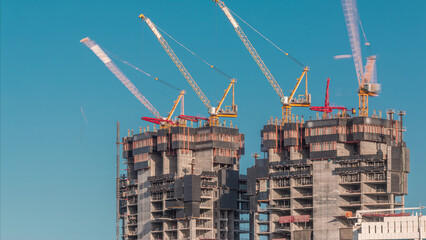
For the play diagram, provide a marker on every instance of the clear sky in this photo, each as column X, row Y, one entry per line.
column 57, row 169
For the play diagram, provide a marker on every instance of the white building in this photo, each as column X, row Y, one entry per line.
column 391, row 226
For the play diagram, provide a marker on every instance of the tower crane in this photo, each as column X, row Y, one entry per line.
column 163, row 122
column 214, row 112
column 367, row 83
column 287, row 102
column 326, row 108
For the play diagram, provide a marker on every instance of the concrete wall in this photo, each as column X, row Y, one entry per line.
column 203, row 161
column 325, row 197
column 184, row 160
column 144, row 205
column 169, row 163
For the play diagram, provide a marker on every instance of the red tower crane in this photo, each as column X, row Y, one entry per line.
column 326, row 108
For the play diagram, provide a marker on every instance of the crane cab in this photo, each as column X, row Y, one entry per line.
column 284, row 101
column 372, row 89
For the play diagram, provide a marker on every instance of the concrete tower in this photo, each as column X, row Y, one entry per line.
column 316, row 174
column 183, row 183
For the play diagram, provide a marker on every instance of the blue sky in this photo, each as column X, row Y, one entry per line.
column 57, row 170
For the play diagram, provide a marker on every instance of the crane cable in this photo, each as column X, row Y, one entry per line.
column 366, row 42
column 286, row 53
column 140, row 70
column 363, row 33
column 210, row 65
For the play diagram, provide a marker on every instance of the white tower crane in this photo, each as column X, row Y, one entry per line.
column 367, row 83
column 97, row 50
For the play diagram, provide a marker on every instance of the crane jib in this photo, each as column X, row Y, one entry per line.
column 97, row 50
column 252, row 50
column 178, row 63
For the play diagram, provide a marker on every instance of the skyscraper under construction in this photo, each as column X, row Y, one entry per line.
column 183, row 183
column 317, row 173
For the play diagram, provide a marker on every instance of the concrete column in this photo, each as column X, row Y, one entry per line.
column 166, row 163
column 325, row 199
column 294, row 154
column 273, row 156
column 144, row 205
column 183, row 162
column 192, row 231
column 203, row 161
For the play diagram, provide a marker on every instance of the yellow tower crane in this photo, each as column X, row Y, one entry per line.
column 214, row 112
column 287, row 102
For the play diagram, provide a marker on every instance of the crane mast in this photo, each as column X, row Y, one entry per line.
column 180, row 97
column 287, row 102
column 167, row 122
column 327, row 108
column 92, row 45
column 215, row 112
